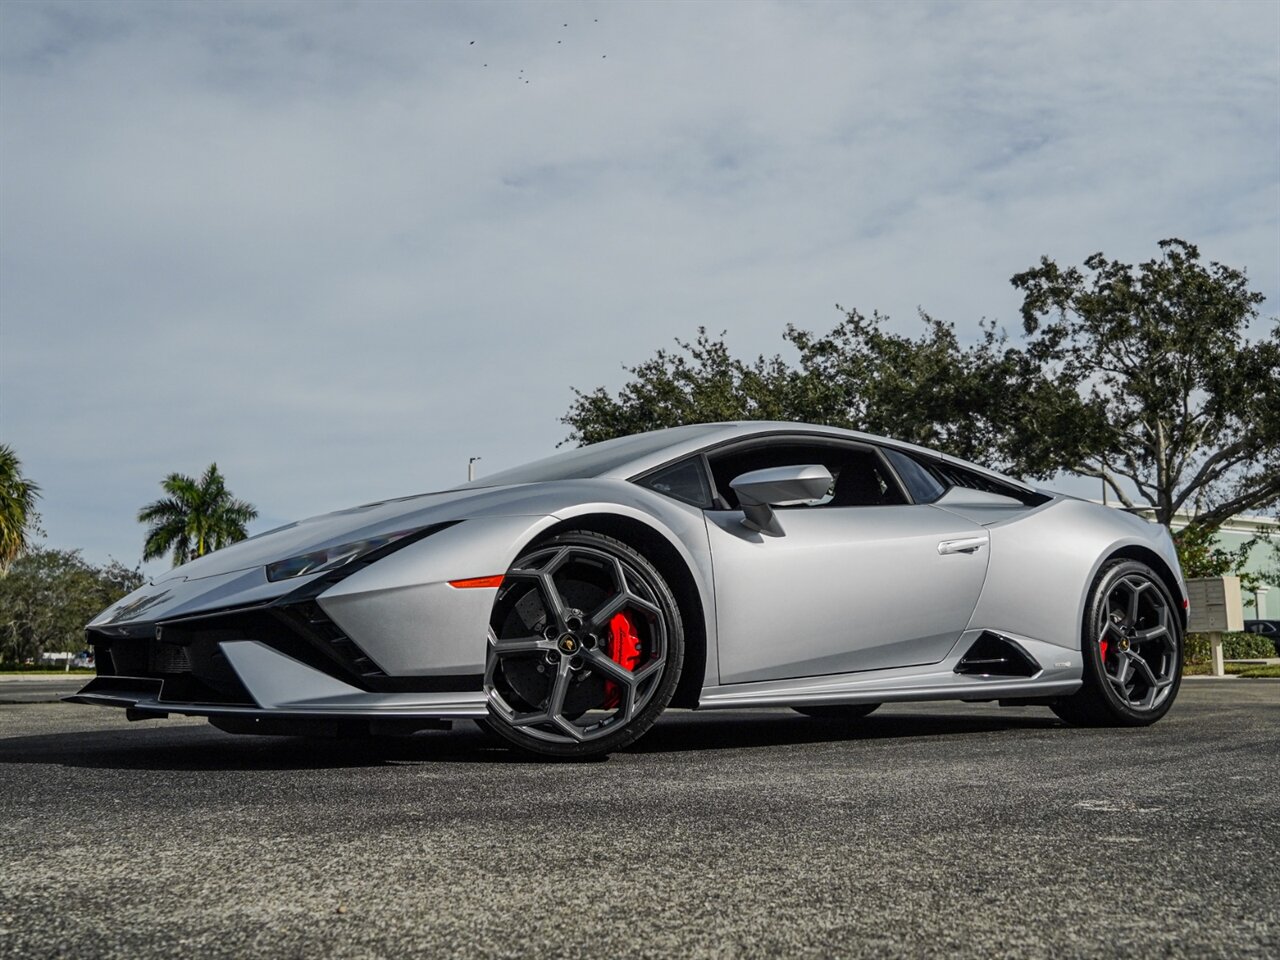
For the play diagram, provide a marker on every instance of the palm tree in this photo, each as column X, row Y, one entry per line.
column 196, row 517
column 18, row 498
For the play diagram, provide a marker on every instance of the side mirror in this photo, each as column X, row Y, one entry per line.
column 761, row 490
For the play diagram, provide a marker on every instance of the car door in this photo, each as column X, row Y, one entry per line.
column 864, row 579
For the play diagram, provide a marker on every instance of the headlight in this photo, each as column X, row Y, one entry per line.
column 330, row 558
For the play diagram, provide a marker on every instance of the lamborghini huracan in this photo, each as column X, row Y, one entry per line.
column 566, row 603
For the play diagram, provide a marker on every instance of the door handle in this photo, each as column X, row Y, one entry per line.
column 967, row 545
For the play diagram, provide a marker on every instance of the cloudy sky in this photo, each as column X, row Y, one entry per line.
column 341, row 247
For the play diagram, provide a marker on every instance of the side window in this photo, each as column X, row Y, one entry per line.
column 922, row 485
column 955, row 476
column 685, row 480
column 860, row 478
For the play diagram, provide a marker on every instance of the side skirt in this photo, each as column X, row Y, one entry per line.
column 1060, row 674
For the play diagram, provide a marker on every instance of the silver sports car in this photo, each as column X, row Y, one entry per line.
column 565, row 604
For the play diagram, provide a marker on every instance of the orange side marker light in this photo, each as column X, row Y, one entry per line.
column 477, row 582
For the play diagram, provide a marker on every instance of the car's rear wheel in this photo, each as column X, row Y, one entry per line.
column 839, row 711
column 585, row 647
column 1132, row 646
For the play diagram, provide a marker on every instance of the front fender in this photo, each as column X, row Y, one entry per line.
column 402, row 612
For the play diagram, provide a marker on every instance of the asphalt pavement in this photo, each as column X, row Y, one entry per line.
column 939, row 830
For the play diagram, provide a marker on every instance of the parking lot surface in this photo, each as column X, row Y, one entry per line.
column 924, row 830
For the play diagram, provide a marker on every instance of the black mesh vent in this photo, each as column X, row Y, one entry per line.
column 168, row 658
column 995, row 656
column 308, row 619
column 191, row 665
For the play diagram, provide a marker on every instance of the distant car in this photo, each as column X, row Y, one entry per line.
column 566, row 603
column 1265, row 628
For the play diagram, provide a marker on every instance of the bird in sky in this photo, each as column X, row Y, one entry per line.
column 520, row 75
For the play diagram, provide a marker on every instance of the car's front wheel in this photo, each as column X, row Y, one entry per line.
column 585, row 647
column 1132, row 644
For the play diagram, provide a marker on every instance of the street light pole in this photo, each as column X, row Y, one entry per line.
column 471, row 468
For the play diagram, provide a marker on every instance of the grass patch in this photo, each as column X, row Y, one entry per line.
column 1257, row 670
column 1250, row 670
column 27, row 672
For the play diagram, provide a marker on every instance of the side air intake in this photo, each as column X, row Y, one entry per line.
column 992, row 655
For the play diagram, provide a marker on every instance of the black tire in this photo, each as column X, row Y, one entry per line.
column 651, row 614
column 840, row 711
column 1108, row 637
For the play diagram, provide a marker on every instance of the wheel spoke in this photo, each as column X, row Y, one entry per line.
column 528, row 719
column 1142, row 668
column 606, row 611
column 1142, row 636
column 559, row 687
column 1133, row 603
column 647, row 671
column 607, row 665
column 521, row 573
column 507, row 645
column 551, row 597
column 643, row 604
column 569, row 727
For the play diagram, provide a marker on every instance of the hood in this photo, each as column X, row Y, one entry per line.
column 356, row 523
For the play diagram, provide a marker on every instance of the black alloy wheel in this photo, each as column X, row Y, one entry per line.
column 1133, row 650
column 585, row 647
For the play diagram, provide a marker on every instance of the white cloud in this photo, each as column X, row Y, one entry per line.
column 328, row 247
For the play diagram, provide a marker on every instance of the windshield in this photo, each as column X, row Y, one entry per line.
column 596, row 459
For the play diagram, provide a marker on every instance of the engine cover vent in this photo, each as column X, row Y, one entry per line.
column 992, row 655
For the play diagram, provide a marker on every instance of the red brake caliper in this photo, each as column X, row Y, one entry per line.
column 624, row 650
column 1102, row 645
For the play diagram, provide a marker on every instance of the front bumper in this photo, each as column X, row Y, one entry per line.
column 383, row 635
column 285, row 656
column 269, row 683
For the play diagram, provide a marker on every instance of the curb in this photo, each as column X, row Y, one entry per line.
column 50, row 678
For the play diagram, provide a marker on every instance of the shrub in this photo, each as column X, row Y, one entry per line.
column 1235, row 646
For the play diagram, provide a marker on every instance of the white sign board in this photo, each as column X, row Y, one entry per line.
column 1215, row 605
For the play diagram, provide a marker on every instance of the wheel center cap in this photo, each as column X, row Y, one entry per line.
column 569, row 644
column 1124, row 643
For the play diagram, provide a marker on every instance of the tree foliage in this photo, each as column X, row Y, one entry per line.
column 196, row 517
column 1144, row 377
column 18, row 497
column 1200, row 554
column 48, row 597
column 859, row 375
column 1166, row 395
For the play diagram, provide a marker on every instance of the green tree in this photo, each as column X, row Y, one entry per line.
column 17, row 507
column 48, row 597
column 1162, row 390
column 1146, row 378
column 196, row 517
column 1201, row 555
column 859, row 375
